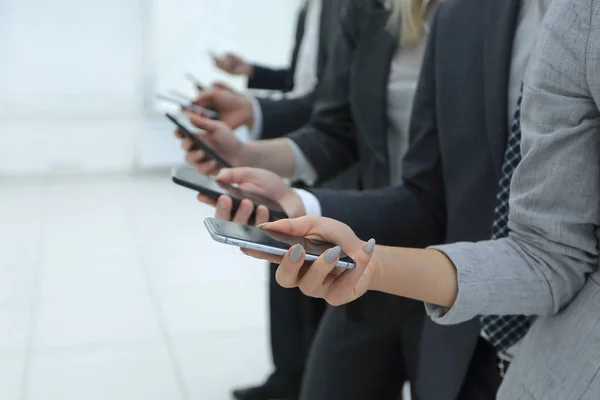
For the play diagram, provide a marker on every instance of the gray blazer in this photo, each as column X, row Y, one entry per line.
column 549, row 266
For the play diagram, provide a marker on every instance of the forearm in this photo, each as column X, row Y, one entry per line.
column 274, row 155
column 426, row 275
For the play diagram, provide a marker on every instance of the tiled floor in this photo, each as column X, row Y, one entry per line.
column 110, row 288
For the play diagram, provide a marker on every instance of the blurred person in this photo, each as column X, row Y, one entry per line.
column 549, row 264
column 464, row 111
column 366, row 95
column 267, row 117
column 293, row 317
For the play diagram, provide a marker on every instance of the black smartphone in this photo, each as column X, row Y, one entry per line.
column 250, row 237
column 189, row 131
column 188, row 105
column 190, row 178
column 195, row 81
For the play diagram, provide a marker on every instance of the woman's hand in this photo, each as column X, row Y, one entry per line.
column 322, row 279
column 254, row 181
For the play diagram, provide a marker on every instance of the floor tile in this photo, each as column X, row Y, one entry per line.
column 212, row 366
column 115, row 373
column 11, row 371
column 191, row 311
column 103, row 320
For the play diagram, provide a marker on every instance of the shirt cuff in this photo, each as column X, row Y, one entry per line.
column 255, row 132
column 303, row 169
column 311, row 204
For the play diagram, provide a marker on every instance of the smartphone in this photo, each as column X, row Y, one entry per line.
column 190, row 178
column 194, row 81
column 189, row 131
column 188, row 105
column 249, row 237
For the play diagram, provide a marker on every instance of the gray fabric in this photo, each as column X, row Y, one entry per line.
column 549, row 266
column 451, row 171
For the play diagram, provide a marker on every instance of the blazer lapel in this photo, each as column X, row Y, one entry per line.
column 370, row 78
column 501, row 24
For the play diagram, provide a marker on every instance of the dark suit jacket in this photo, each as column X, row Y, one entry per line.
column 350, row 123
column 452, row 168
column 281, row 79
column 286, row 115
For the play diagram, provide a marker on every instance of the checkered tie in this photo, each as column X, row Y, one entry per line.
column 504, row 331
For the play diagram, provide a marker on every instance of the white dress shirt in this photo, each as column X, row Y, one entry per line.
column 305, row 74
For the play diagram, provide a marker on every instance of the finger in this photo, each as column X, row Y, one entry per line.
column 196, row 156
column 313, row 281
column 223, row 210
column 207, row 168
column 237, row 175
column 262, row 215
column 243, row 213
column 222, row 86
column 205, row 98
column 207, row 124
column 347, row 281
column 272, row 258
column 206, row 200
column 178, row 134
column 288, row 273
column 327, row 228
column 187, row 144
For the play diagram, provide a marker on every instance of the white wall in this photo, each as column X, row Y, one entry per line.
column 75, row 74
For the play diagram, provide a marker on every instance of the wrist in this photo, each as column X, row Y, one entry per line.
column 292, row 204
column 249, row 70
column 379, row 268
column 248, row 111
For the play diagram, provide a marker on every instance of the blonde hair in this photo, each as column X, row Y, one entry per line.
column 410, row 16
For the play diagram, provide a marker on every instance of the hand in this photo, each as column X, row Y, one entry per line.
column 223, row 210
column 234, row 108
column 218, row 137
column 255, row 181
column 233, row 64
column 322, row 279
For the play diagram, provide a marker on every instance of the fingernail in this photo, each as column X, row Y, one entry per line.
column 369, row 246
column 333, row 254
column 263, row 224
column 296, row 253
column 222, row 204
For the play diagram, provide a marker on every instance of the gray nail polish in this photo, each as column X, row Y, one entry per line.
column 333, row 254
column 296, row 253
column 369, row 246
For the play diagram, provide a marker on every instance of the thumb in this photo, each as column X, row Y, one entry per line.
column 222, row 86
column 209, row 125
column 237, row 175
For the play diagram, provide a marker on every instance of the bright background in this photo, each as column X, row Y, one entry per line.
column 78, row 78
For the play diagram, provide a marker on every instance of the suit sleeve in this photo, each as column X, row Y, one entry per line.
column 328, row 141
column 269, row 78
column 283, row 116
column 555, row 191
column 413, row 213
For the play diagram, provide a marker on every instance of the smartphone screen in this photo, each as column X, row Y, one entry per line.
column 262, row 240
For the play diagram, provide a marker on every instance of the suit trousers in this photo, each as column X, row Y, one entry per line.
column 294, row 319
column 365, row 351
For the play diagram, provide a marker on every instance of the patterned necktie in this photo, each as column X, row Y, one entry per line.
column 504, row 331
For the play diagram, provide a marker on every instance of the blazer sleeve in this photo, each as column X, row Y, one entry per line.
column 413, row 213
column 283, row 116
column 328, row 140
column 269, row 78
column 555, row 191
